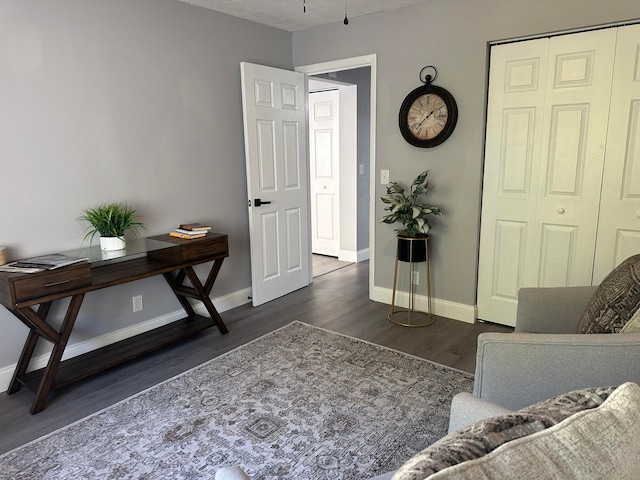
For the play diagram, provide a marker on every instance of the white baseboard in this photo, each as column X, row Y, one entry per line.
column 353, row 256
column 222, row 304
column 362, row 255
column 442, row 308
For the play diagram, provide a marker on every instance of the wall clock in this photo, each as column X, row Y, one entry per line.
column 428, row 114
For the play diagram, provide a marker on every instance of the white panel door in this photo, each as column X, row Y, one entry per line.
column 324, row 164
column 546, row 130
column 577, row 98
column 274, row 113
column 512, row 155
column 619, row 220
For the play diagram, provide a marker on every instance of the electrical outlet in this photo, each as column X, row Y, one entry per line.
column 137, row 303
column 416, row 278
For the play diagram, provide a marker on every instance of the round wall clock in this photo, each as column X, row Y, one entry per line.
column 428, row 114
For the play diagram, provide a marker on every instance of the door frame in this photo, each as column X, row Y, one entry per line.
column 350, row 64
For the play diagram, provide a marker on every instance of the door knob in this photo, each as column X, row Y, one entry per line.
column 257, row 202
column 560, row 210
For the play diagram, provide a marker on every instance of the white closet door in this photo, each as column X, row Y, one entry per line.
column 514, row 129
column 619, row 220
column 546, row 130
column 576, row 118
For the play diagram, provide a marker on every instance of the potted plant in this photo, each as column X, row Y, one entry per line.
column 412, row 212
column 111, row 221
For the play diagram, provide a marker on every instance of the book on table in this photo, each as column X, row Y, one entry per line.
column 194, row 227
column 188, row 236
column 191, row 232
column 43, row 262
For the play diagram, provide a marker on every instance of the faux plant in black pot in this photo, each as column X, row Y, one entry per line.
column 111, row 221
column 412, row 212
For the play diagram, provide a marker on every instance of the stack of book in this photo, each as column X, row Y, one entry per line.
column 190, row 230
column 38, row 264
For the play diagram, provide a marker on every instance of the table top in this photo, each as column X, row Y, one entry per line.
column 137, row 247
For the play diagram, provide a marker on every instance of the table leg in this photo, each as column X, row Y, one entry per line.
column 27, row 350
column 204, row 296
column 176, row 283
column 46, row 383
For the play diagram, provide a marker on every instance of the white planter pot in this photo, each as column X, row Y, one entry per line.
column 110, row 244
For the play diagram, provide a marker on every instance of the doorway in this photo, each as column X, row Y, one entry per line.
column 359, row 71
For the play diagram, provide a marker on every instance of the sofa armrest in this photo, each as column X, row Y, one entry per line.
column 467, row 410
column 551, row 310
column 517, row 369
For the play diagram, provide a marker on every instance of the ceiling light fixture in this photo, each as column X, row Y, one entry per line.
column 346, row 19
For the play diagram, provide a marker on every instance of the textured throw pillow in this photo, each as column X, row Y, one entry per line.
column 615, row 302
column 479, row 439
column 590, row 445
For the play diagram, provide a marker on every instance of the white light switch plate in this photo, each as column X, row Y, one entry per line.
column 384, row 177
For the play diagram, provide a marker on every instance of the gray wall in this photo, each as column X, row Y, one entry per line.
column 123, row 100
column 452, row 35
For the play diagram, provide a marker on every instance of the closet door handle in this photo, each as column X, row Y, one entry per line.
column 560, row 210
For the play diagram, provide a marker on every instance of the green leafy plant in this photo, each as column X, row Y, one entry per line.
column 409, row 210
column 111, row 220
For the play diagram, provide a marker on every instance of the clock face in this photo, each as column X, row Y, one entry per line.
column 427, row 116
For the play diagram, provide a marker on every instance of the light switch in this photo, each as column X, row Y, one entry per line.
column 384, row 177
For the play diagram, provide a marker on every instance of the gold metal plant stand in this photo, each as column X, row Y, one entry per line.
column 410, row 317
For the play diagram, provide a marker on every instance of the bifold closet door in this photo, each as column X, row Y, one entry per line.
column 546, row 132
column 619, row 220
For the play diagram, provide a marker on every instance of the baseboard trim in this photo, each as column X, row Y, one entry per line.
column 353, row 256
column 222, row 304
column 442, row 308
column 362, row 255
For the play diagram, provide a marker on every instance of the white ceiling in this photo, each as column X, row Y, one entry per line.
column 289, row 15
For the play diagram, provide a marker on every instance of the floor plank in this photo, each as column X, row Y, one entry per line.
column 323, row 264
column 337, row 301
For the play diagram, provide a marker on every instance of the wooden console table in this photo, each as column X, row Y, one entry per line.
column 30, row 296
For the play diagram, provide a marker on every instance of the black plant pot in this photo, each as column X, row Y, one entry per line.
column 412, row 249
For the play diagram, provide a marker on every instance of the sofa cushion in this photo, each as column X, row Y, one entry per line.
column 615, row 302
column 552, row 427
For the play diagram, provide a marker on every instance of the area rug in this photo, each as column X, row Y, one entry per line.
column 298, row 403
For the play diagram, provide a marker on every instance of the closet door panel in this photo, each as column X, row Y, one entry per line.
column 619, row 220
column 577, row 94
column 514, row 128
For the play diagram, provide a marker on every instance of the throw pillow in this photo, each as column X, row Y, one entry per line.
column 479, row 439
column 615, row 301
column 591, row 445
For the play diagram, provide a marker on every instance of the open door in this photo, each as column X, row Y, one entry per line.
column 274, row 113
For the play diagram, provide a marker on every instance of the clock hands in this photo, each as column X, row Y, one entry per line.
column 419, row 125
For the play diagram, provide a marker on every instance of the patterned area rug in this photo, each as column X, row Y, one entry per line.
column 298, row 403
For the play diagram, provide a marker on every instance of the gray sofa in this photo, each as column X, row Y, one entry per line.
column 541, row 359
column 517, row 369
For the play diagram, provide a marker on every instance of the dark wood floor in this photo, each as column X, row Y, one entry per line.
column 336, row 301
